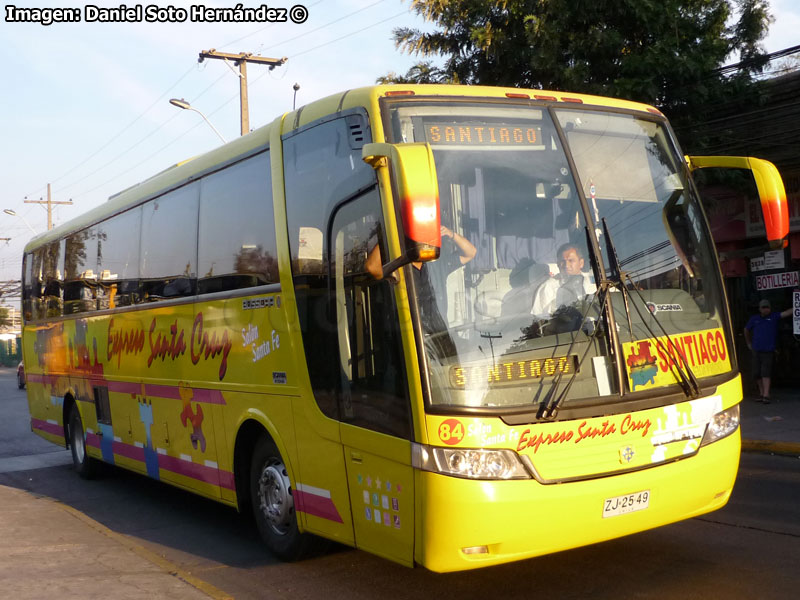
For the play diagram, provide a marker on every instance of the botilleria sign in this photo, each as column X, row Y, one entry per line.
column 777, row 280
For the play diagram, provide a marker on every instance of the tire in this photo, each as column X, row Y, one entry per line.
column 84, row 465
column 272, row 500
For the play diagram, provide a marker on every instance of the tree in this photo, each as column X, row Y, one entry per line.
column 663, row 52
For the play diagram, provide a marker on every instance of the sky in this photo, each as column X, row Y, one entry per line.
column 85, row 106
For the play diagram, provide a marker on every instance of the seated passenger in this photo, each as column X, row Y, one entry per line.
column 568, row 287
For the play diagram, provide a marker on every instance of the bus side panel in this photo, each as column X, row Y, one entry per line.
column 45, row 358
column 323, row 502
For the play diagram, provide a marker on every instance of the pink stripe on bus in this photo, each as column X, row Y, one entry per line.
column 125, row 387
column 196, row 471
column 317, row 506
column 128, row 451
column 51, row 428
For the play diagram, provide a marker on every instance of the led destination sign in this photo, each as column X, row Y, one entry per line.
column 517, row 371
column 481, row 134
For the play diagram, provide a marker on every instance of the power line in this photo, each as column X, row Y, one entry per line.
column 724, row 70
column 120, row 132
column 244, row 37
column 349, row 34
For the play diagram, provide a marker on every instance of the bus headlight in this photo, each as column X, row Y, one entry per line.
column 722, row 425
column 469, row 463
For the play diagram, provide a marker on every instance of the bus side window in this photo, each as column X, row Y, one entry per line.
column 31, row 287
column 322, row 167
column 52, row 275
column 118, row 271
column 80, row 263
column 373, row 381
column 168, row 257
column 237, row 247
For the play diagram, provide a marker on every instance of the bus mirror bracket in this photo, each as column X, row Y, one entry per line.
column 770, row 190
column 417, row 191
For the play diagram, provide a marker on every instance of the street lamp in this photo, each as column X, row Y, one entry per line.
column 13, row 213
column 186, row 106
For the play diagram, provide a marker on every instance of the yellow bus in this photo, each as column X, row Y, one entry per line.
column 451, row 326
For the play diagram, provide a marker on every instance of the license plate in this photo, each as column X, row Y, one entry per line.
column 621, row 505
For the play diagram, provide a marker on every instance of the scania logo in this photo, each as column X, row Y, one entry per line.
column 626, row 454
column 654, row 308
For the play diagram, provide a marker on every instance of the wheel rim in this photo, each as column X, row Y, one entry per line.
column 76, row 439
column 275, row 498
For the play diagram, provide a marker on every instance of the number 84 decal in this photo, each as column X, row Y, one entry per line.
column 451, row 431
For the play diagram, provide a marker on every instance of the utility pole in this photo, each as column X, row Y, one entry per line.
column 241, row 61
column 49, row 202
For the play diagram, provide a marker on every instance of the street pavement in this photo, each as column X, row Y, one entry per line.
column 47, row 547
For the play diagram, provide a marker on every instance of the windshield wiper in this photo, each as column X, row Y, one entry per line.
column 549, row 408
column 553, row 401
column 685, row 378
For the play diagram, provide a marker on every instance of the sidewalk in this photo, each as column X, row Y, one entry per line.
column 48, row 549
column 774, row 427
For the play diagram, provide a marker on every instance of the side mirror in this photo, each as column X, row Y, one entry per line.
column 770, row 190
column 417, row 188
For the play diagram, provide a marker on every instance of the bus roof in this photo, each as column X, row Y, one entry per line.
column 188, row 170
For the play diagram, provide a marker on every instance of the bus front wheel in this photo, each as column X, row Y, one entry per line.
column 272, row 500
column 84, row 465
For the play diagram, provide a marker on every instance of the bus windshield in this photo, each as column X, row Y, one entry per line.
column 510, row 312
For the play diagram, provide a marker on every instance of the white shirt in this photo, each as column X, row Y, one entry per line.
column 551, row 295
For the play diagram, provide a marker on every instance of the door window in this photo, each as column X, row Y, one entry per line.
column 373, row 382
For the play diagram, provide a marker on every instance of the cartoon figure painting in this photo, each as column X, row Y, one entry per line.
column 195, row 418
column 150, row 454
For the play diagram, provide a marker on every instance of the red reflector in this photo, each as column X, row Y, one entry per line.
column 655, row 111
column 575, row 100
column 512, row 95
column 400, row 93
column 538, row 97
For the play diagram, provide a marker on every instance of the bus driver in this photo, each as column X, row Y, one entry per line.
column 569, row 286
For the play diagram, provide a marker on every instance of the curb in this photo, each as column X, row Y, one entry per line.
column 769, row 447
column 164, row 564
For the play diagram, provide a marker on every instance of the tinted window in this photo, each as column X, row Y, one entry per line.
column 168, row 267
column 52, row 278
column 322, row 167
column 237, row 247
column 372, row 378
column 118, row 257
column 81, row 266
column 30, row 286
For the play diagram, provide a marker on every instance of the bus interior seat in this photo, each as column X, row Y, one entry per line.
column 525, row 279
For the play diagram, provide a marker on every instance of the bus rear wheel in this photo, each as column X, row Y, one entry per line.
column 272, row 499
column 85, row 466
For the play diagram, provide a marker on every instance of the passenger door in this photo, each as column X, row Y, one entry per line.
column 373, row 400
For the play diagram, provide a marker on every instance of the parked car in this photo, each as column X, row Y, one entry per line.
column 21, row 376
